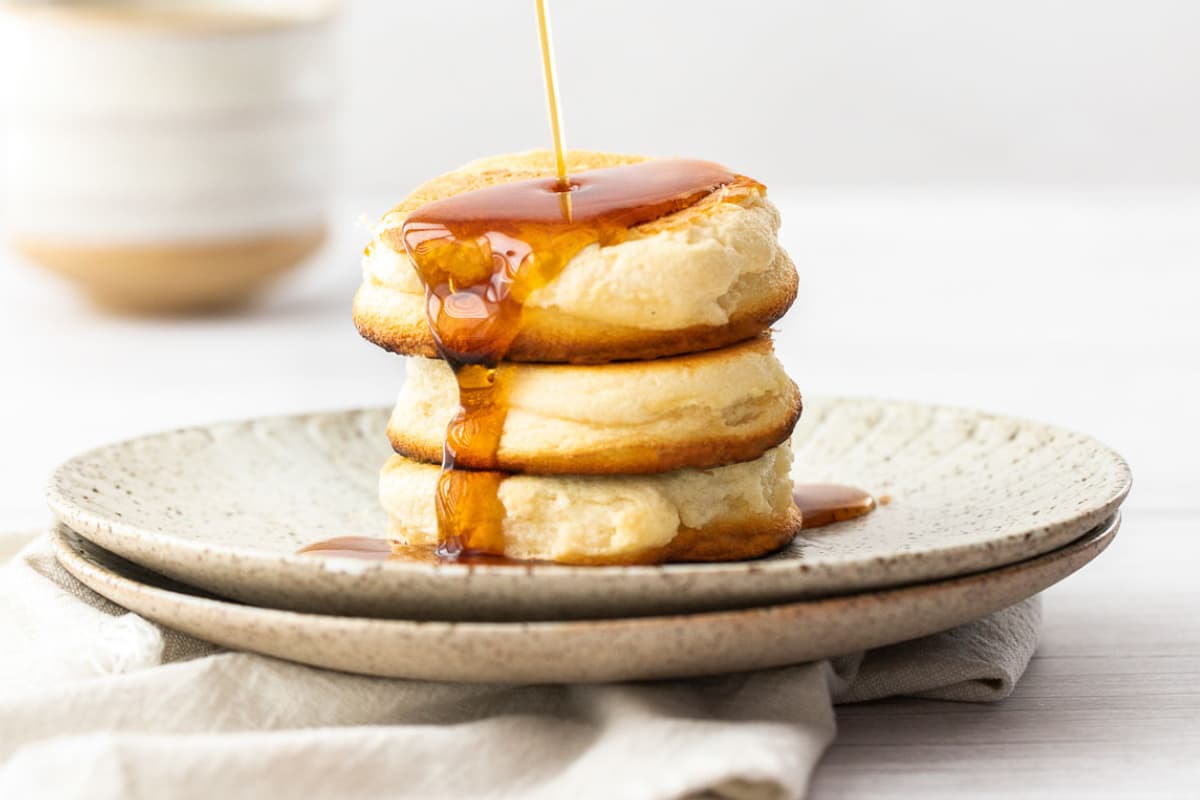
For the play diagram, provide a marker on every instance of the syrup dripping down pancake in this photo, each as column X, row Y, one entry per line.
column 702, row 277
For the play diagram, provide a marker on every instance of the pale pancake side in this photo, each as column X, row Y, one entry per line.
column 701, row 410
column 729, row 513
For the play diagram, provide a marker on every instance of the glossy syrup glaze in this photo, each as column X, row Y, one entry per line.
column 479, row 255
column 369, row 548
column 823, row 504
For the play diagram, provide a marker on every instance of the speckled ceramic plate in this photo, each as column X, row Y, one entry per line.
column 582, row 650
column 225, row 507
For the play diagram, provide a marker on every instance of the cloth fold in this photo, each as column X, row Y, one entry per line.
column 97, row 702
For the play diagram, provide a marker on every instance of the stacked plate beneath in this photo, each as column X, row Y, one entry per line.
column 984, row 511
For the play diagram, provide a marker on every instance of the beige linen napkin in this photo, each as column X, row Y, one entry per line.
column 98, row 703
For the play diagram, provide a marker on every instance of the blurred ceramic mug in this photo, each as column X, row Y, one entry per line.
column 167, row 155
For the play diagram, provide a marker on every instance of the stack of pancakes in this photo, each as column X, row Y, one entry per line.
column 648, row 417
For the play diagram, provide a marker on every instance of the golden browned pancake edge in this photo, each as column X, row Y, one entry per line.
column 631, row 458
column 395, row 320
column 716, row 543
column 726, row 513
column 726, row 406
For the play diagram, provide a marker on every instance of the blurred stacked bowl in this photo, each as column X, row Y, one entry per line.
column 167, row 156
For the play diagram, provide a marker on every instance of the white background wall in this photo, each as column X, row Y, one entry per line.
column 796, row 92
column 1090, row 92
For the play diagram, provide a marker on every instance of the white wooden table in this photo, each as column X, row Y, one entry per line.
column 1078, row 309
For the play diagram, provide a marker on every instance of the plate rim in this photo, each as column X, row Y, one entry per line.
column 88, row 524
column 1101, row 535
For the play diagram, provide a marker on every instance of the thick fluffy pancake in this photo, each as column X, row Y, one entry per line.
column 733, row 512
column 709, row 275
column 634, row 417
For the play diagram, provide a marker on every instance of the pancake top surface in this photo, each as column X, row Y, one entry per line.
column 702, row 276
column 494, row 171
